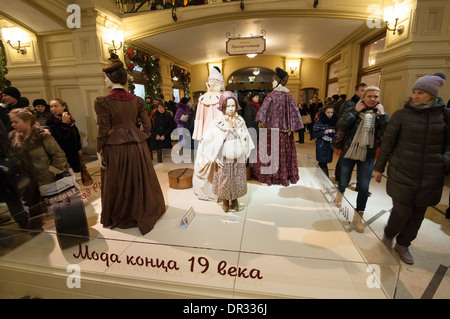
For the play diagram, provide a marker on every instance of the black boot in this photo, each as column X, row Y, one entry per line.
column 159, row 152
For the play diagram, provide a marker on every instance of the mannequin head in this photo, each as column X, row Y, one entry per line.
column 280, row 78
column 231, row 107
column 224, row 100
column 115, row 72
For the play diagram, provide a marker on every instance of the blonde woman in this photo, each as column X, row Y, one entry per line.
column 37, row 148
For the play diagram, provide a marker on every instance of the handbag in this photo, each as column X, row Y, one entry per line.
column 86, row 178
column 306, row 119
column 59, row 189
column 15, row 179
column 338, row 141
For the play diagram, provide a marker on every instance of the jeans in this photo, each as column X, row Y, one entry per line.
column 363, row 176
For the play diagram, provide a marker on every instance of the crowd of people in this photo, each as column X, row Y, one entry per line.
column 414, row 140
column 44, row 141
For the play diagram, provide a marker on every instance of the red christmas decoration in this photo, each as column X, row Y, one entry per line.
column 130, row 53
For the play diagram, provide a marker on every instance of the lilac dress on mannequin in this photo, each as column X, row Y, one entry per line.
column 277, row 157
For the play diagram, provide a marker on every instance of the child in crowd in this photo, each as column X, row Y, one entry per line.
column 324, row 130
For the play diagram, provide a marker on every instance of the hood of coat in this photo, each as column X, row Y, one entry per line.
column 326, row 120
column 435, row 104
column 35, row 139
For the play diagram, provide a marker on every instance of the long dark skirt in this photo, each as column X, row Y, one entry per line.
column 131, row 193
column 282, row 169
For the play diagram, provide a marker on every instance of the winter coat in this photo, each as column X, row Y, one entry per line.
column 42, row 118
column 182, row 109
column 43, row 154
column 350, row 121
column 249, row 115
column 162, row 124
column 324, row 151
column 314, row 108
column 416, row 143
column 347, row 105
column 68, row 138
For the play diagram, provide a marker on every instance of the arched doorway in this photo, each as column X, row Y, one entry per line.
column 249, row 81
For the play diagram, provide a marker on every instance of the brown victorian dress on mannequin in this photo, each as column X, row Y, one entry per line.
column 131, row 193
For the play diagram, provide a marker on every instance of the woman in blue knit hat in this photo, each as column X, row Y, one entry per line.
column 417, row 144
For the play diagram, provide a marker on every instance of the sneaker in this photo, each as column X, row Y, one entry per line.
column 357, row 222
column 404, row 254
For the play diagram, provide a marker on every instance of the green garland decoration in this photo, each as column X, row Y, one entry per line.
column 184, row 77
column 150, row 69
column 3, row 69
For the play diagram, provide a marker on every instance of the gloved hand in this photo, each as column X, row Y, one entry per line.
column 101, row 162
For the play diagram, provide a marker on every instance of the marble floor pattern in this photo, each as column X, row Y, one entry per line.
column 290, row 236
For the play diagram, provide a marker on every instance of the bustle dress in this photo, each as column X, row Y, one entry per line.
column 131, row 193
column 203, row 178
column 280, row 115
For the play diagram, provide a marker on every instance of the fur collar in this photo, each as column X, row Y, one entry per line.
column 35, row 139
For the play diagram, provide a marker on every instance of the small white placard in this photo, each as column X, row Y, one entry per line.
column 187, row 218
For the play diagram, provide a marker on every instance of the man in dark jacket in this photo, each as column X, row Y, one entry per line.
column 364, row 125
column 417, row 145
column 347, row 105
column 13, row 100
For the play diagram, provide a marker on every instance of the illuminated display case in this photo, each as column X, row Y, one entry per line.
column 286, row 242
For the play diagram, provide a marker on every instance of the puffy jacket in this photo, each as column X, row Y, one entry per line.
column 324, row 152
column 416, row 143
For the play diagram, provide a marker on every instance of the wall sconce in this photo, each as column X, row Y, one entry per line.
column 15, row 36
column 256, row 71
column 251, row 56
column 392, row 15
column 293, row 65
column 293, row 69
column 114, row 38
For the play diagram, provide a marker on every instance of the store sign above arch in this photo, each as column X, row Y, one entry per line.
column 246, row 45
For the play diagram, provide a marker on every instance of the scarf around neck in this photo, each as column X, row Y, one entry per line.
column 364, row 137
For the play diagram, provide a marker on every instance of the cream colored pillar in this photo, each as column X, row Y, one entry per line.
column 166, row 78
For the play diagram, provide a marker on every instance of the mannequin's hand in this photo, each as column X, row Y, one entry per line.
column 100, row 160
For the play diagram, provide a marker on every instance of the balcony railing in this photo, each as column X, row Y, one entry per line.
column 133, row 6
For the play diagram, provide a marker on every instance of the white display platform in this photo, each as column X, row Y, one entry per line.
column 286, row 242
